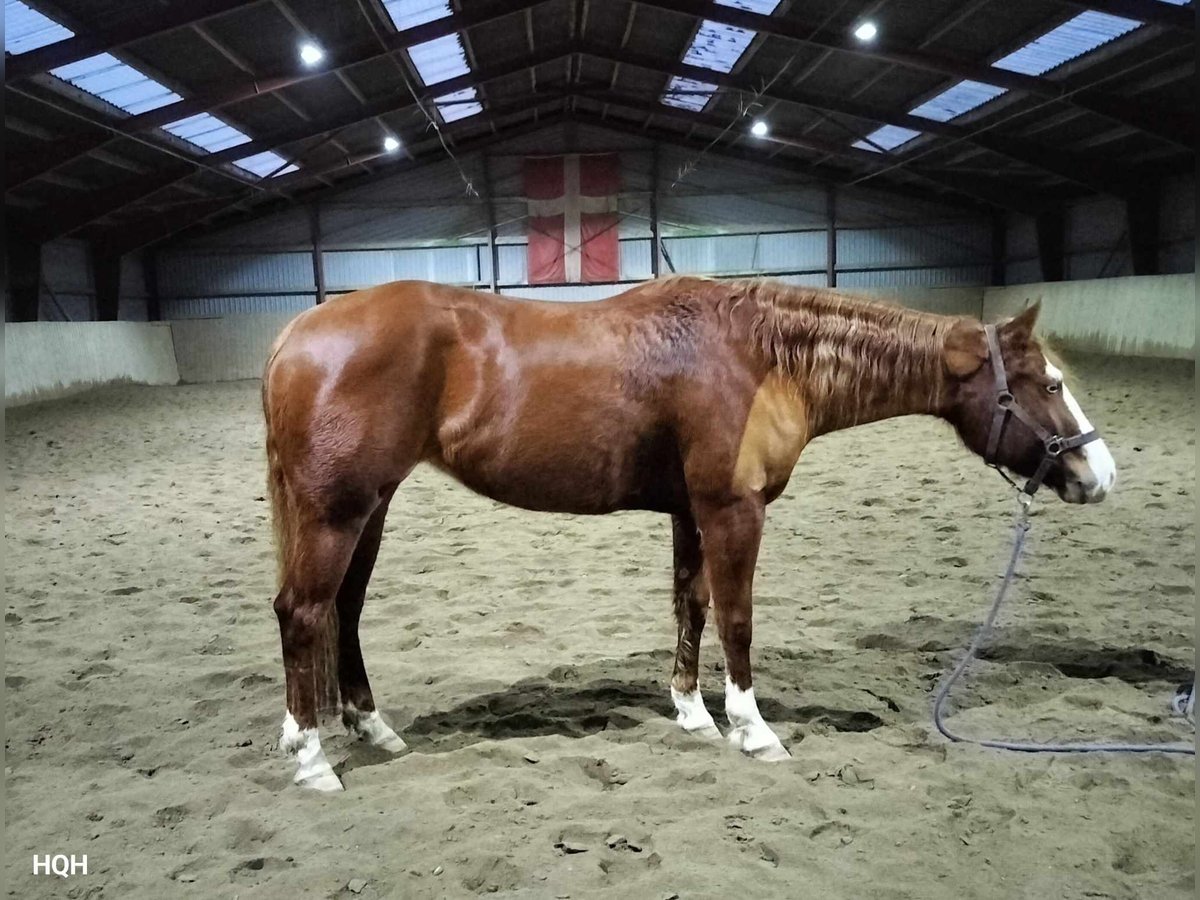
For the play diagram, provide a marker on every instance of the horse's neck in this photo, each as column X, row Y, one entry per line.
column 857, row 366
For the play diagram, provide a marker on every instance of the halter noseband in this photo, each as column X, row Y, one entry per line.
column 1006, row 404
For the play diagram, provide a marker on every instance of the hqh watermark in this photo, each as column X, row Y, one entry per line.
column 60, row 864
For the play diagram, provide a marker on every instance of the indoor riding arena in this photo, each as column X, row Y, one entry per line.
column 600, row 449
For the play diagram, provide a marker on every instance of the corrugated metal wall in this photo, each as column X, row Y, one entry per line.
column 68, row 293
column 717, row 217
column 1097, row 238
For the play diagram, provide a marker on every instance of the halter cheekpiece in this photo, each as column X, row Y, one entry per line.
column 1055, row 445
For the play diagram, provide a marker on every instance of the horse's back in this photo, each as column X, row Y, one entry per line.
column 562, row 406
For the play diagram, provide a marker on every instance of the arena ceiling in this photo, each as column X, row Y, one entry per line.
column 128, row 123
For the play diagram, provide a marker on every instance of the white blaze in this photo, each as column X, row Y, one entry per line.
column 1099, row 460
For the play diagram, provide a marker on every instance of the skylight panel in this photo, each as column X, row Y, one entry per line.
column 687, row 93
column 27, row 29
column 207, row 132
column 440, row 59
column 113, row 81
column 717, row 46
column 889, row 137
column 264, row 164
column 953, row 102
column 458, row 105
column 1068, row 41
column 411, row 13
column 762, row 7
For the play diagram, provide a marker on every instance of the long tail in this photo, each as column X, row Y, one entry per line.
column 285, row 514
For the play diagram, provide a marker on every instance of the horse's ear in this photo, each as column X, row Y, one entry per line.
column 965, row 349
column 1022, row 325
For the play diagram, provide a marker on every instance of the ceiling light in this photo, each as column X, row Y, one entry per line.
column 391, row 144
column 759, row 129
column 311, row 54
column 866, row 31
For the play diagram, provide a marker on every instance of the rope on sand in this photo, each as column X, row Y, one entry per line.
column 1020, row 532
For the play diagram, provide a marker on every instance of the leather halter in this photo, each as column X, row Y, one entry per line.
column 1055, row 445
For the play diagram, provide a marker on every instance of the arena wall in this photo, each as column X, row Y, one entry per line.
column 1152, row 315
column 229, row 348
column 46, row 360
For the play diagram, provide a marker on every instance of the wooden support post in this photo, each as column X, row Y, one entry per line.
column 490, row 207
column 999, row 248
column 1142, row 219
column 655, row 236
column 318, row 251
column 1051, row 242
column 830, row 236
column 25, row 277
column 106, row 276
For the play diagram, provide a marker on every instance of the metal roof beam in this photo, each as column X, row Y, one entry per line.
column 1166, row 124
column 337, row 60
column 1181, row 18
column 384, row 107
column 754, row 160
column 127, row 240
column 1095, row 175
column 994, row 194
column 66, row 219
column 100, row 40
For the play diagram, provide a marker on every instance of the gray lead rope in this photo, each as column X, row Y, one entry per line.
column 1020, row 532
column 1054, row 445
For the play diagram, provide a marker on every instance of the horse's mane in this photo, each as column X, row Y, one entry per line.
column 832, row 343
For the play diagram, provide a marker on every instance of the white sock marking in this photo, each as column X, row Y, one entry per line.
column 372, row 728
column 750, row 733
column 693, row 715
column 314, row 770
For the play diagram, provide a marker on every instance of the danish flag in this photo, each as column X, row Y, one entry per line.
column 573, row 218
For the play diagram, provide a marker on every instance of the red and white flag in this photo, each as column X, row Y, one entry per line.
column 573, row 217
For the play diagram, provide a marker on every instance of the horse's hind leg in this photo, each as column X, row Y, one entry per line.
column 316, row 559
column 691, row 610
column 358, row 705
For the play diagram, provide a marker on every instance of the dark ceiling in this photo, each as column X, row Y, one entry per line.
column 1113, row 121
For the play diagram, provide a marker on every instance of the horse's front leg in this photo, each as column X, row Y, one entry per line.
column 691, row 610
column 731, row 530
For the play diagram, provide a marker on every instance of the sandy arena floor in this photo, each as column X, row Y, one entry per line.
column 525, row 659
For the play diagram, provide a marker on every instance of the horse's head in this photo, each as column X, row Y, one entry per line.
column 1080, row 475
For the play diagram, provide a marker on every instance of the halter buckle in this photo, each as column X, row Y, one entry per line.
column 1055, row 445
column 1005, row 399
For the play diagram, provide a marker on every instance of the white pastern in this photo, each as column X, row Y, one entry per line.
column 371, row 728
column 693, row 714
column 1099, row 460
column 314, row 770
column 750, row 733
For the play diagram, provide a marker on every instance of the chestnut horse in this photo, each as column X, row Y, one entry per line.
column 685, row 396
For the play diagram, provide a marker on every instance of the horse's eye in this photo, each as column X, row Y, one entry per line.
column 1052, row 387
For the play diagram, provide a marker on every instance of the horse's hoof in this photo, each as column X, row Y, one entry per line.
column 771, row 753
column 705, row 731
column 764, row 747
column 371, row 728
column 392, row 744
column 324, row 781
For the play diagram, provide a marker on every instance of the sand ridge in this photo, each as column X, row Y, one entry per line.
column 144, row 688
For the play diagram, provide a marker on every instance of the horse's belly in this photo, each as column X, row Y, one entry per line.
column 568, row 464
